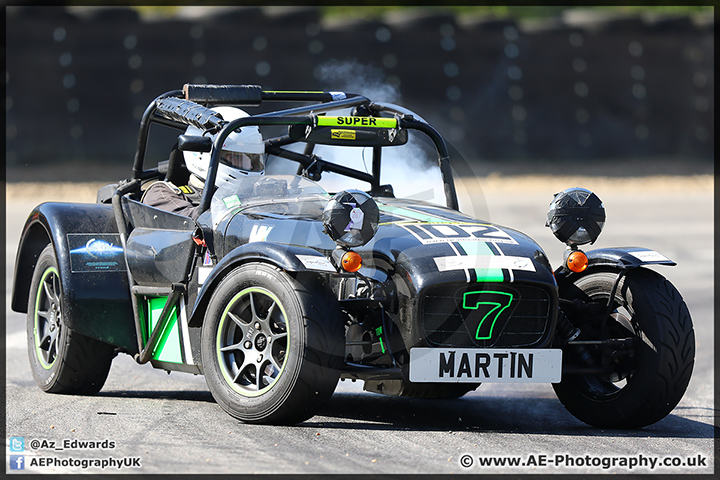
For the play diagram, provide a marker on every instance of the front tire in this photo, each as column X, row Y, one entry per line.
column 272, row 346
column 61, row 360
column 645, row 386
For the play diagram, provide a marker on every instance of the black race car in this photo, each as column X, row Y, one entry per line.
column 279, row 288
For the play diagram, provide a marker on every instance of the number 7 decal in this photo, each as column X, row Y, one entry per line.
column 500, row 301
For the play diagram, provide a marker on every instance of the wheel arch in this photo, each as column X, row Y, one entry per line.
column 97, row 303
column 284, row 257
column 614, row 260
column 34, row 238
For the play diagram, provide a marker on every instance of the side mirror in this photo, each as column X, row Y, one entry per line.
column 194, row 143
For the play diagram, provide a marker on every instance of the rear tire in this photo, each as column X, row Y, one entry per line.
column 272, row 346
column 645, row 388
column 61, row 360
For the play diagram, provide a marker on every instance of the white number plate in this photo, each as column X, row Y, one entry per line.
column 471, row 365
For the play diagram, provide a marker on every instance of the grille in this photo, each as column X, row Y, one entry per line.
column 485, row 315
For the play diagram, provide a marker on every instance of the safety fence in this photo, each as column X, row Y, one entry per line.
column 577, row 87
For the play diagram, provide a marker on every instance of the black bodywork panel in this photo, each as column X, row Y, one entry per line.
column 93, row 273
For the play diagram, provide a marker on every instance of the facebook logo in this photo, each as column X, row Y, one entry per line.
column 17, row 462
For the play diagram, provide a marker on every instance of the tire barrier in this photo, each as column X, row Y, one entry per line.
column 578, row 87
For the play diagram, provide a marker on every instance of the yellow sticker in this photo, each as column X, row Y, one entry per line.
column 357, row 122
column 342, row 134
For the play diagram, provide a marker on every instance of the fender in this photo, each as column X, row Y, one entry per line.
column 290, row 258
column 620, row 258
column 95, row 290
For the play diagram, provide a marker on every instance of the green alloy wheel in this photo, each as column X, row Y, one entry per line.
column 272, row 345
column 252, row 341
column 61, row 360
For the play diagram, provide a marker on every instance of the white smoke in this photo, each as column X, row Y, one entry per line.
column 353, row 77
column 411, row 169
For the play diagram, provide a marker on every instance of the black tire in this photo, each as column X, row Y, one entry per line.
column 262, row 319
column 61, row 360
column 644, row 388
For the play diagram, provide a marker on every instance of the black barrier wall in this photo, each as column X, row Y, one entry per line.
column 573, row 88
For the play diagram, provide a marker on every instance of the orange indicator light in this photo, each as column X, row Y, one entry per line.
column 351, row 261
column 577, row 261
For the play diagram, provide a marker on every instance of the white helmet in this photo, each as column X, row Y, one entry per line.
column 243, row 151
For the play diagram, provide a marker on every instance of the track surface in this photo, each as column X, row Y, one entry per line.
column 172, row 425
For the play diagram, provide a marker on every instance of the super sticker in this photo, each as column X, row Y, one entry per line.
column 357, row 122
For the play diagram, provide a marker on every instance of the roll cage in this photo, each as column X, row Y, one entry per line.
column 192, row 106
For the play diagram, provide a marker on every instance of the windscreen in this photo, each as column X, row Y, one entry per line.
column 254, row 190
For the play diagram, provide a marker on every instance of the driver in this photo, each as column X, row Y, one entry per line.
column 243, row 153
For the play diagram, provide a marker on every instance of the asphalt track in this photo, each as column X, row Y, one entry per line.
column 170, row 423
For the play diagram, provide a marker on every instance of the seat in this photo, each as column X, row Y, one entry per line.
column 177, row 172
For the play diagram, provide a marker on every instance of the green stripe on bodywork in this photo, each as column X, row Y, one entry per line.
column 483, row 274
column 413, row 215
column 168, row 346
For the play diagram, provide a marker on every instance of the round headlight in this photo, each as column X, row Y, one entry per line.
column 351, row 218
column 576, row 216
